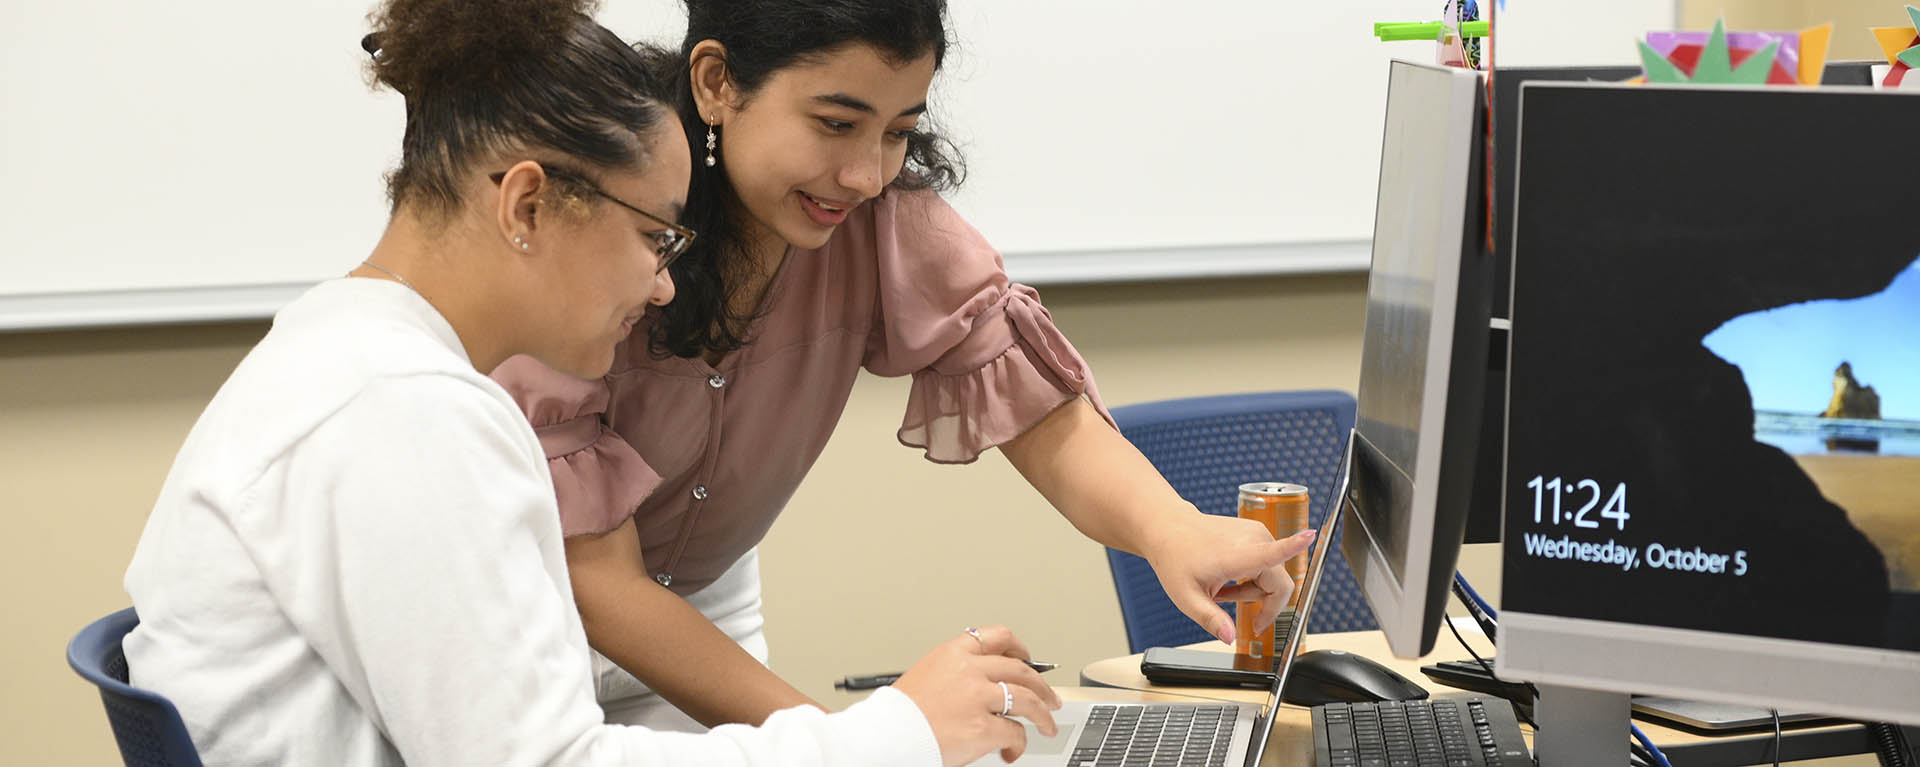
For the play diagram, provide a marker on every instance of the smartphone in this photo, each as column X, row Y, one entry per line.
column 1171, row 666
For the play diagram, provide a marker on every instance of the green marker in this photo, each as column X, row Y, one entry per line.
column 1398, row 31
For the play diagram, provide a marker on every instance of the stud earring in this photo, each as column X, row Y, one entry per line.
column 518, row 240
column 712, row 141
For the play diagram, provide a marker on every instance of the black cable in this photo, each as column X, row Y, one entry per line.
column 1776, row 735
column 1890, row 743
column 1484, row 665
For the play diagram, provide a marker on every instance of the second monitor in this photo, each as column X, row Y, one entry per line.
column 1423, row 360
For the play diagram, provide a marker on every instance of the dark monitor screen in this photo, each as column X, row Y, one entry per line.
column 1483, row 520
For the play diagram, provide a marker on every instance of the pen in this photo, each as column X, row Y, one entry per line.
column 882, row 680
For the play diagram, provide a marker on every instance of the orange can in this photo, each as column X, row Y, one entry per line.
column 1282, row 507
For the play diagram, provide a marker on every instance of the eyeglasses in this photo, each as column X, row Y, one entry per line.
column 668, row 245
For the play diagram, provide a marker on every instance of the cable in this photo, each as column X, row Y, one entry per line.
column 1484, row 665
column 1890, row 742
column 1776, row 735
column 1659, row 759
column 1639, row 755
column 1476, row 607
column 1521, row 709
column 1473, row 599
column 1475, row 595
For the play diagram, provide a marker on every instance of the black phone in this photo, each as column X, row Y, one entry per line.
column 1172, row 666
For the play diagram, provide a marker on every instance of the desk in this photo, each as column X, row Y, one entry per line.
column 1293, row 733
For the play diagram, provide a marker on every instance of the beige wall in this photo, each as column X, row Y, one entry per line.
column 1851, row 19
column 881, row 554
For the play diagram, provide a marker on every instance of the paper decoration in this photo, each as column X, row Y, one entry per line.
column 1684, row 49
column 1814, row 42
column 1715, row 64
column 1911, row 56
column 1902, row 48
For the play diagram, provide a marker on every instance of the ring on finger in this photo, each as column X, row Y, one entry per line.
column 975, row 633
column 1006, row 699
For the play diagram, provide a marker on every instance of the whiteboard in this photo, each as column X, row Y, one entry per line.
column 209, row 159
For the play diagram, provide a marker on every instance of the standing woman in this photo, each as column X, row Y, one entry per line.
column 824, row 249
column 356, row 559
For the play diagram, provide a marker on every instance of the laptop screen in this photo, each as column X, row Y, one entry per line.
column 1322, row 545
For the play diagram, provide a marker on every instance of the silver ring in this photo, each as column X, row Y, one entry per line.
column 975, row 633
column 1006, row 699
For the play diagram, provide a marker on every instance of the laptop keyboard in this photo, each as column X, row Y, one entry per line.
column 1450, row 732
column 1154, row 736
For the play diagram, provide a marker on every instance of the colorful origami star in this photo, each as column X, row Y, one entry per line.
column 1715, row 66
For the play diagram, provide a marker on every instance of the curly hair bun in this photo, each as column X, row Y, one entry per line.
column 438, row 43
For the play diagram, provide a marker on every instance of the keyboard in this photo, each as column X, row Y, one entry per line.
column 1450, row 731
column 1154, row 736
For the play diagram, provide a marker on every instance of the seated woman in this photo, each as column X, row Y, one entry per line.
column 357, row 559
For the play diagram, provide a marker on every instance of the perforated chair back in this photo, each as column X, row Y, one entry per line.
column 146, row 725
column 1207, row 447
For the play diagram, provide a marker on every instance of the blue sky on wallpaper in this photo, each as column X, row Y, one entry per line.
column 1788, row 354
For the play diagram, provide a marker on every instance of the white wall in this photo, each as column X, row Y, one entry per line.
column 233, row 144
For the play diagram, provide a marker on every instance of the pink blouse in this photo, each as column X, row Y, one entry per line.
column 704, row 457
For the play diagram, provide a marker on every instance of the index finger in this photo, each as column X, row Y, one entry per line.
column 1248, row 561
column 999, row 640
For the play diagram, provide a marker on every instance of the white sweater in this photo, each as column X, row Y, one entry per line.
column 357, row 560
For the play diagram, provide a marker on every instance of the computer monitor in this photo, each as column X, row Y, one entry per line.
column 1483, row 510
column 1423, row 358
column 1713, row 449
column 1483, row 518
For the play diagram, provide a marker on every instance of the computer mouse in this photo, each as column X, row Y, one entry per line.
column 1333, row 676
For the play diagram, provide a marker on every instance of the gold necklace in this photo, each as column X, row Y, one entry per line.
column 396, row 277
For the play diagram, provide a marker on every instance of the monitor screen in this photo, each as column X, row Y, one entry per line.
column 1483, row 520
column 1713, row 451
column 1423, row 356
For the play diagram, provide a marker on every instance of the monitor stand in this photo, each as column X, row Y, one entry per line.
column 1580, row 728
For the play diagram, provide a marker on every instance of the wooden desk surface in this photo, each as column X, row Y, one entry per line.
column 1293, row 729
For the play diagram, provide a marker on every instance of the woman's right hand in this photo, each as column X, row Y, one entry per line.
column 962, row 686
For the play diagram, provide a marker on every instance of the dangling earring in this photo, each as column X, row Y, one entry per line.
column 712, row 141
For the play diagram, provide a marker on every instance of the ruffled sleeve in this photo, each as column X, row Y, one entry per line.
column 598, row 478
column 986, row 359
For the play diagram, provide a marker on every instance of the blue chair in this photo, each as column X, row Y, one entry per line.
column 147, row 726
column 1207, row 447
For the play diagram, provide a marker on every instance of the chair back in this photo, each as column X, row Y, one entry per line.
column 146, row 725
column 1207, row 447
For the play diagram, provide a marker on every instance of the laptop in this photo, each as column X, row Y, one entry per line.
column 1184, row 734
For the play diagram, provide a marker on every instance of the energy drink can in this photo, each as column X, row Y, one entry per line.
column 1282, row 507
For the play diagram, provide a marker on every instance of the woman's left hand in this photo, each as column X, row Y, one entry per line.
column 1203, row 560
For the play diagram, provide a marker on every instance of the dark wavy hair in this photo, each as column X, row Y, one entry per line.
column 761, row 38
column 486, row 77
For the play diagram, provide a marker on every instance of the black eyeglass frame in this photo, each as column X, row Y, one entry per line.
column 667, row 252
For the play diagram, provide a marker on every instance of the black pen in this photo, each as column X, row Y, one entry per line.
column 882, row 680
